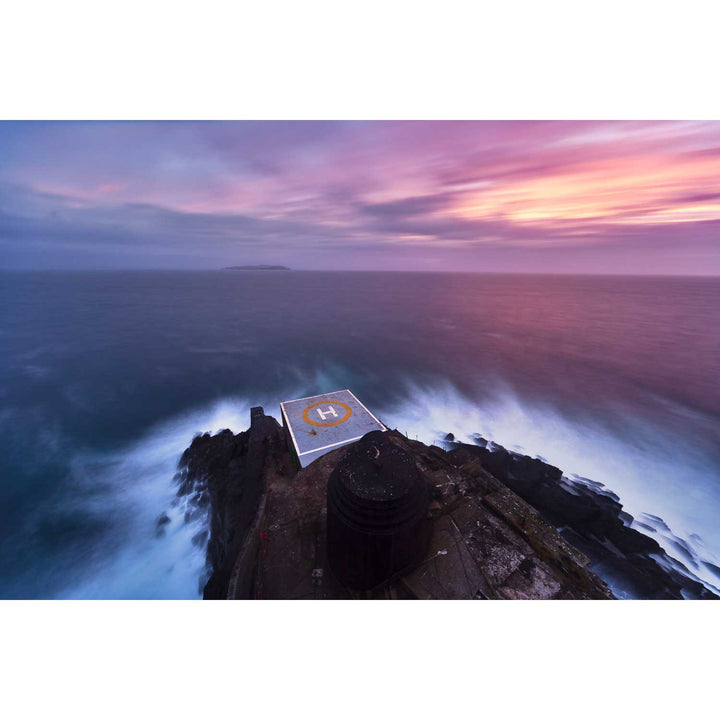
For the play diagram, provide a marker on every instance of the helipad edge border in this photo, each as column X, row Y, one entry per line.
column 367, row 411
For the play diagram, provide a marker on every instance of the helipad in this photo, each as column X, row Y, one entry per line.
column 321, row 423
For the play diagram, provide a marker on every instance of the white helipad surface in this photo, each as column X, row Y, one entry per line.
column 321, row 423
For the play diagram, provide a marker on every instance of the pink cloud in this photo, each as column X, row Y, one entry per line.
column 386, row 186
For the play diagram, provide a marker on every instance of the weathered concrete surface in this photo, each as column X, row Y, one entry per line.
column 488, row 543
column 483, row 543
column 292, row 562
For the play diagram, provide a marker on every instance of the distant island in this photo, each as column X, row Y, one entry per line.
column 257, row 267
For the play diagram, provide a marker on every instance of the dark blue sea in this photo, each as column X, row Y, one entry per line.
column 105, row 377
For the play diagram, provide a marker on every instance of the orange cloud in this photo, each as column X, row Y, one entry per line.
column 628, row 190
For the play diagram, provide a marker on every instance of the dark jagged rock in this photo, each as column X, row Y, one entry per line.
column 591, row 518
column 227, row 472
column 160, row 524
column 199, row 539
column 493, row 519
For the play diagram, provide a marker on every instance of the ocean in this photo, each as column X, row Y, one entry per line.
column 106, row 377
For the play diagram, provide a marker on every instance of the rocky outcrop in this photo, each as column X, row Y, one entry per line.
column 268, row 530
column 590, row 517
column 501, row 525
column 227, row 473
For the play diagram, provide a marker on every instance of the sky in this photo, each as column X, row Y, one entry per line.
column 482, row 196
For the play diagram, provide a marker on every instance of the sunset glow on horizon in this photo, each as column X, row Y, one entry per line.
column 551, row 196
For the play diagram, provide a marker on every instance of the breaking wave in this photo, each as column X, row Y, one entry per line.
column 668, row 484
column 134, row 487
column 131, row 489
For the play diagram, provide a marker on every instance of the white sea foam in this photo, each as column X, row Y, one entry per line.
column 134, row 487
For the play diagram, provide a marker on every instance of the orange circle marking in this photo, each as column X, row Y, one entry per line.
column 306, row 413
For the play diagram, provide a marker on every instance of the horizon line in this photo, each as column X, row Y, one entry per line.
column 348, row 270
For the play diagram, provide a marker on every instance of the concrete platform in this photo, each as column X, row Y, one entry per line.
column 321, row 423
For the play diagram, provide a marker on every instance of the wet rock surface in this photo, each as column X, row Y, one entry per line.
column 590, row 517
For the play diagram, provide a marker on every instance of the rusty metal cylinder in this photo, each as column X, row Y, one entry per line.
column 377, row 507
